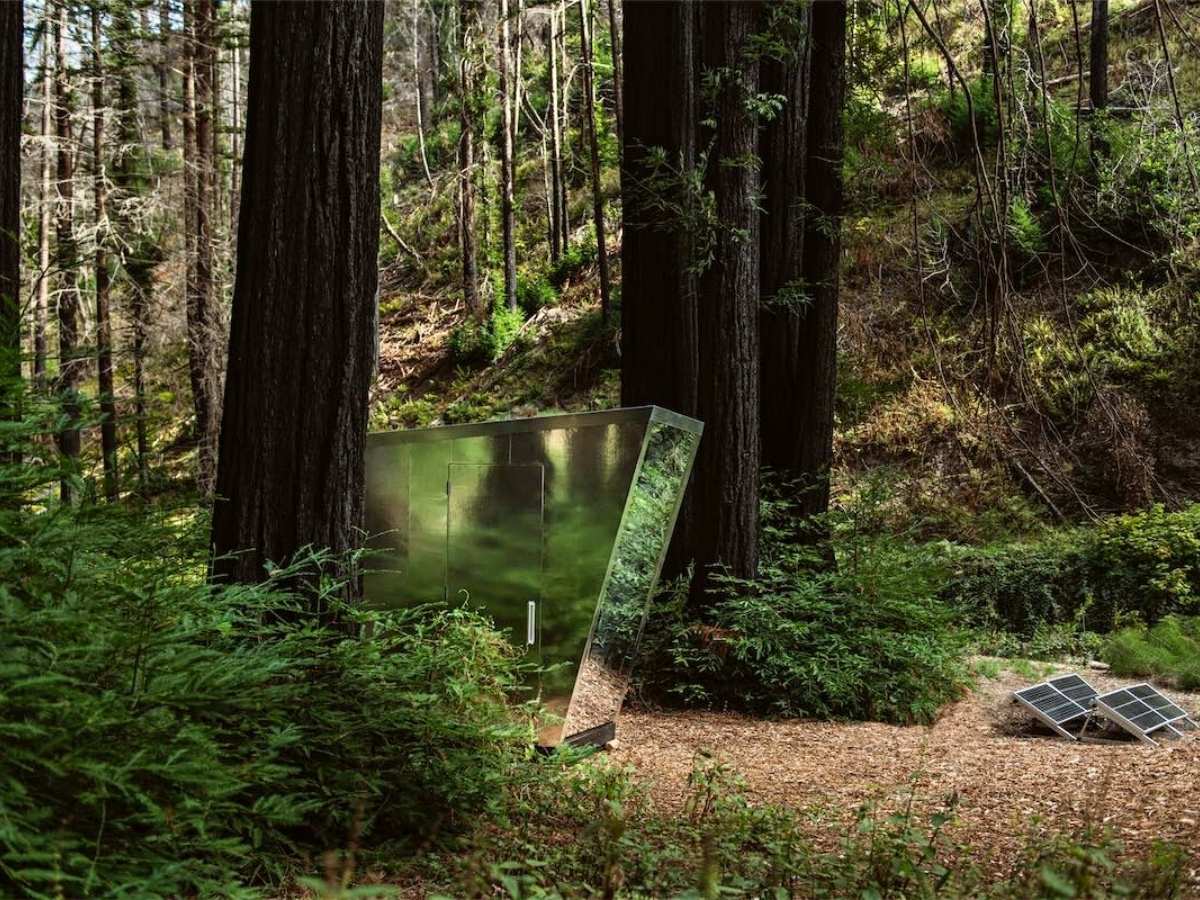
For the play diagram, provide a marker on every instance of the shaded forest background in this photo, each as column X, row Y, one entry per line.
column 1003, row 372
column 926, row 270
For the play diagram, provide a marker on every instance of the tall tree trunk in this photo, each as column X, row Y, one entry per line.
column 659, row 338
column 468, row 27
column 433, row 53
column 12, row 81
column 783, row 299
column 301, row 348
column 816, row 377
column 564, row 125
column 104, row 363
column 163, row 72
column 507, row 214
column 726, row 503
column 589, row 92
column 66, row 256
column 614, row 30
column 556, row 174
column 235, row 133
column 142, row 251
column 46, row 201
column 200, row 325
column 1098, row 55
column 419, row 95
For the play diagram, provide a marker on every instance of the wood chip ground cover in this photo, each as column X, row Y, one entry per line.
column 1010, row 784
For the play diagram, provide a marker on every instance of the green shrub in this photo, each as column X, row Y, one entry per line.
column 535, row 292
column 1169, row 651
column 1025, row 229
column 574, row 259
column 867, row 638
column 1143, row 565
column 163, row 737
column 593, row 832
column 957, row 114
column 478, row 343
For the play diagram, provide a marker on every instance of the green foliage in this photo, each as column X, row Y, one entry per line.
column 1025, row 230
column 1144, row 565
column 166, row 737
column 722, row 844
column 476, row 343
column 577, row 257
column 967, row 121
column 866, row 638
column 1169, row 651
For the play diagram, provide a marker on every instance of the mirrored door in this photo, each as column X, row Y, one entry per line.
column 494, row 545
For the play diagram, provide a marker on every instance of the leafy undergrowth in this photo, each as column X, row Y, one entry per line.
column 1168, row 651
column 592, row 832
column 160, row 736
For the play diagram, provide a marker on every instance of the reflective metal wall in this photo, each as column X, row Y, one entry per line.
column 556, row 526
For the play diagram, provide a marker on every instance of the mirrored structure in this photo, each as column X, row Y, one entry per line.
column 555, row 526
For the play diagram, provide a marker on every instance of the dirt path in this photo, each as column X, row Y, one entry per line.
column 1008, row 785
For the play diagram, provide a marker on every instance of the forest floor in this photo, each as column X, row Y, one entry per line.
column 1008, row 782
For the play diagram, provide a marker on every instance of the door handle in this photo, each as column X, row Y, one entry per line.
column 530, row 624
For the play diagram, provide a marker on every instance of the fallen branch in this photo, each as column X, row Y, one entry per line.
column 400, row 242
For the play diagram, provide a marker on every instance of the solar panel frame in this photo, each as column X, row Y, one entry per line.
column 1056, row 702
column 1142, row 709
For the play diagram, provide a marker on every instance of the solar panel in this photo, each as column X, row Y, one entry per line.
column 1059, row 701
column 1142, row 710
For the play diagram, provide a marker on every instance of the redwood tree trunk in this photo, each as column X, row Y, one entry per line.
column 726, row 502
column 659, row 339
column 507, row 214
column 201, row 336
column 783, row 310
column 66, row 255
column 589, row 91
column 163, row 74
column 301, row 347
column 104, row 363
column 618, row 64
column 46, row 202
column 816, row 378
column 468, row 27
column 11, row 96
column 556, row 174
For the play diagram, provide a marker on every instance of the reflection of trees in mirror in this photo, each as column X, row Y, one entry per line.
column 637, row 557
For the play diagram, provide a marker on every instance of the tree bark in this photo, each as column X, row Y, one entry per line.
column 104, row 363
column 200, row 325
column 816, row 378
column 726, row 504
column 589, row 95
column 45, row 202
column 12, row 81
column 419, row 81
column 1098, row 55
column 507, row 214
column 235, row 131
column 783, row 301
column 301, row 348
column 163, row 72
column 556, row 174
column 66, row 257
column 142, row 251
column 618, row 63
column 564, row 125
column 659, row 339
column 468, row 26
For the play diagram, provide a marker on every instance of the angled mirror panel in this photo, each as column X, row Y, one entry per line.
column 632, row 575
column 520, row 518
